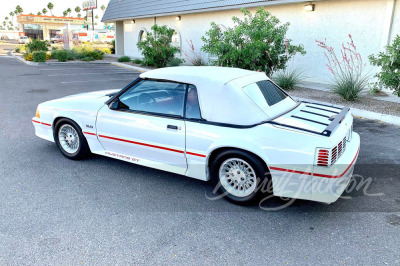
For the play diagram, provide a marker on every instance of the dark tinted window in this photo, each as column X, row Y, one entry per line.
column 271, row 93
column 192, row 104
column 155, row 97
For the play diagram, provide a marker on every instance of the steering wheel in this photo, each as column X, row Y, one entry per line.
column 145, row 98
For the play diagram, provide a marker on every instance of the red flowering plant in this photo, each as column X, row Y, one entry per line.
column 192, row 56
column 348, row 70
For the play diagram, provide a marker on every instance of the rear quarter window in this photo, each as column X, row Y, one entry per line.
column 264, row 93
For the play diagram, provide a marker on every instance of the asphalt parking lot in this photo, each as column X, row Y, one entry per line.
column 104, row 211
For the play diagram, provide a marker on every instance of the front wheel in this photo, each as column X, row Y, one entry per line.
column 70, row 140
column 239, row 175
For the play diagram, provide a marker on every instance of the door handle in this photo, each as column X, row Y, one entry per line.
column 172, row 127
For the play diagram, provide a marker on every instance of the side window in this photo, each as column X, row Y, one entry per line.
column 155, row 97
column 192, row 104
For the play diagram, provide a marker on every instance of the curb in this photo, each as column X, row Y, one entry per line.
column 23, row 60
column 365, row 114
column 140, row 69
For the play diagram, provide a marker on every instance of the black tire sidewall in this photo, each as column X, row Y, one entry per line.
column 83, row 146
column 259, row 168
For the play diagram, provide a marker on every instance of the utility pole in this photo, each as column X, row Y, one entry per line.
column 93, row 19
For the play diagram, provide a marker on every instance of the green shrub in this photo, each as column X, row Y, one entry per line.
column 124, row 59
column 288, row 79
column 137, row 61
column 62, row 55
column 389, row 76
column 37, row 45
column 17, row 49
column 96, row 55
column 112, row 49
column 88, row 58
column 157, row 49
column 39, row 56
column 256, row 43
column 349, row 77
column 72, row 55
column 175, row 62
column 54, row 54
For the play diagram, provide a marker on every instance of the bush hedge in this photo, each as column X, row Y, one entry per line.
column 39, row 56
column 62, row 55
column 124, row 59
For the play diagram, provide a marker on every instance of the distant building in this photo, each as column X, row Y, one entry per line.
column 373, row 24
column 46, row 27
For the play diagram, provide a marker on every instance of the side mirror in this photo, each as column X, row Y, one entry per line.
column 114, row 104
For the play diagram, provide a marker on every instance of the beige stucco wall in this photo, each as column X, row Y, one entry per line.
column 366, row 20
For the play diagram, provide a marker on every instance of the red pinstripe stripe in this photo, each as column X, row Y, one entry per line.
column 142, row 144
column 316, row 174
column 196, row 154
column 41, row 123
column 89, row 133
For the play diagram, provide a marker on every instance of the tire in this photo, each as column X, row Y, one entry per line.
column 70, row 140
column 238, row 179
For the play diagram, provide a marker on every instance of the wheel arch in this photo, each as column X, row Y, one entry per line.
column 218, row 150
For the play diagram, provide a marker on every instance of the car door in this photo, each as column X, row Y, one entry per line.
column 146, row 123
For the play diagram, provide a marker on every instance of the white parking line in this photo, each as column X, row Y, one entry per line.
column 97, row 73
column 94, row 80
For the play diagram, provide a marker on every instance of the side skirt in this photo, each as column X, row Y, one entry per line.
column 144, row 162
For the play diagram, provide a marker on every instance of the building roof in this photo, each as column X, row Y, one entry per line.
column 130, row 9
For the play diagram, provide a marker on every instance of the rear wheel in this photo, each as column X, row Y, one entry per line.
column 239, row 175
column 70, row 140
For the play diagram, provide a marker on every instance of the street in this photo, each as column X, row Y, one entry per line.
column 104, row 211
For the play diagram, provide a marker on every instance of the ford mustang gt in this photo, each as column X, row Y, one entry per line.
column 233, row 126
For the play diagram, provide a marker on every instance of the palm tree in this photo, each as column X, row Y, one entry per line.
column 44, row 11
column 4, row 23
column 96, row 17
column 18, row 9
column 39, row 13
column 103, row 7
column 12, row 16
column 65, row 13
column 69, row 11
column 50, row 6
column 77, row 9
column 6, row 18
column 79, row 15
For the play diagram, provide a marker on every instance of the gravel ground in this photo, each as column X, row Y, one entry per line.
column 364, row 102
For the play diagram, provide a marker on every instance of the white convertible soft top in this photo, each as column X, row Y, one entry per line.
column 220, row 93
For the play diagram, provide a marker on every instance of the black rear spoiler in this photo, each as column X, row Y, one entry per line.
column 335, row 119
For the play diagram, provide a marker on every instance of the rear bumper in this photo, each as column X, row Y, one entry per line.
column 328, row 184
column 42, row 129
column 316, row 183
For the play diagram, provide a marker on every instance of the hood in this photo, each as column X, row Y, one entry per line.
column 91, row 101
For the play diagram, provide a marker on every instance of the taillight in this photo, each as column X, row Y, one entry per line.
column 323, row 157
column 327, row 157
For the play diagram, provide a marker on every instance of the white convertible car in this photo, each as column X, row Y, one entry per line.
column 233, row 126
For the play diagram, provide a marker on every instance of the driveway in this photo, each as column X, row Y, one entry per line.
column 104, row 211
